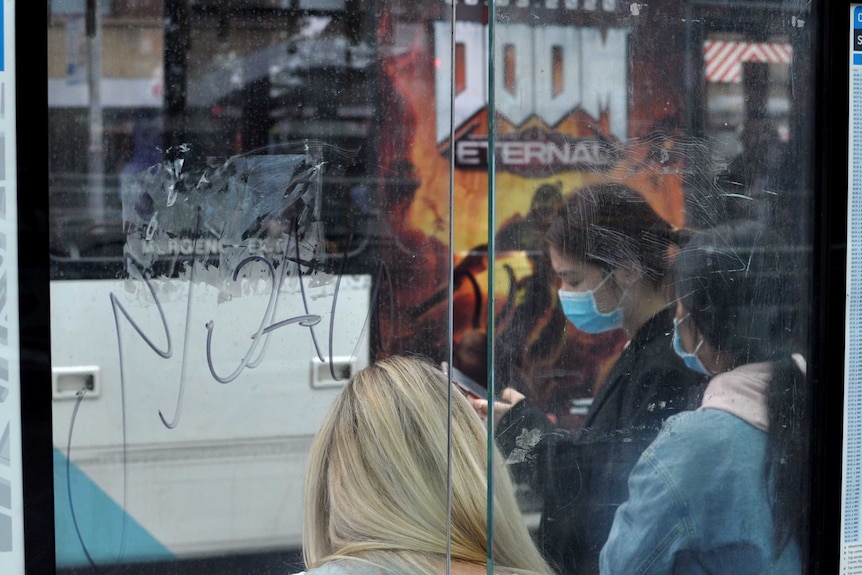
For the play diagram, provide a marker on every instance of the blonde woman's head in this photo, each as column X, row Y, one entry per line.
column 376, row 486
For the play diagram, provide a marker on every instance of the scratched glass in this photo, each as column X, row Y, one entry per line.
column 619, row 130
column 243, row 215
column 252, row 200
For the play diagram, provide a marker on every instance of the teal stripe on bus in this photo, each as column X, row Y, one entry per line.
column 109, row 533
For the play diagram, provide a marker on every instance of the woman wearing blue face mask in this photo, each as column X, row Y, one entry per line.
column 721, row 488
column 611, row 253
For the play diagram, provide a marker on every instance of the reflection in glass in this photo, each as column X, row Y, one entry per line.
column 255, row 243
column 697, row 113
column 257, row 206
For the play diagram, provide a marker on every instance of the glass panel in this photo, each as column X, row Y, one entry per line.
column 252, row 201
column 652, row 178
column 248, row 207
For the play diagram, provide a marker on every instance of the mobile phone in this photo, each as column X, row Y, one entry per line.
column 472, row 386
column 468, row 384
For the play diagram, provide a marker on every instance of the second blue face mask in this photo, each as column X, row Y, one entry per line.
column 581, row 309
column 691, row 360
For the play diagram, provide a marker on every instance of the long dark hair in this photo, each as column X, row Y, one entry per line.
column 738, row 281
column 612, row 226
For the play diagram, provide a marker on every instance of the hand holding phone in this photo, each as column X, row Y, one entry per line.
column 468, row 384
column 471, row 386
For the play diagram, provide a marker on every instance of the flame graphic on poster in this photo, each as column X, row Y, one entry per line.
column 535, row 347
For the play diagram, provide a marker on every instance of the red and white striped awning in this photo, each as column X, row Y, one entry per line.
column 723, row 59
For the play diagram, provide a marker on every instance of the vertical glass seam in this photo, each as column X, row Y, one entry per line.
column 450, row 300
column 491, row 296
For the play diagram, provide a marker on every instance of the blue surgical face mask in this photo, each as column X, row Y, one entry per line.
column 580, row 308
column 691, row 360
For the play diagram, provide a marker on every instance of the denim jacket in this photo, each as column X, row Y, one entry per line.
column 698, row 504
column 582, row 477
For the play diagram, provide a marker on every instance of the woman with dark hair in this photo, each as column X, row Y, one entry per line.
column 719, row 491
column 611, row 254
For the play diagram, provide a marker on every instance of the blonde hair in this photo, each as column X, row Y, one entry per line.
column 376, row 488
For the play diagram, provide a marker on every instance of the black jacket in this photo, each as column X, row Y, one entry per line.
column 583, row 477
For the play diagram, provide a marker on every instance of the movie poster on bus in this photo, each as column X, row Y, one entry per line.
column 584, row 93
